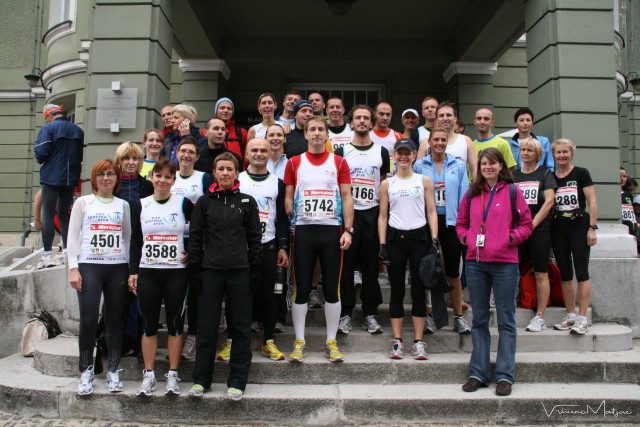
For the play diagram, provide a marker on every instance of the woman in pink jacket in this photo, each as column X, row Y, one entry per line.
column 491, row 234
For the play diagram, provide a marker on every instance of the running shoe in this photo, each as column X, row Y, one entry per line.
column 461, row 326
column 256, row 326
column 580, row 326
column 419, row 351
column 297, row 355
column 172, row 383
column 371, row 325
column 271, row 351
column 86, row 382
column 357, row 278
column 189, row 349
column 234, row 394
column 536, row 324
column 46, row 262
column 492, row 300
column 397, row 349
column 114, row 384
column 60, row 258
column 222, row 326
column 429, row 327
column 225, row 352
column 314, row 299
column 332, row 352
column 566, row 323
column 148, row 385
column 279, row 328
column 196, row 390
column 344, row 326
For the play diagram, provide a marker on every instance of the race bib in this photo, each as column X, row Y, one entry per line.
column 567, row 199
column 363, row 191
column 438, row 189
column 530, row 191
column 264, row 219
column 318, row 204
column 160, row 249
column 628, row 214
column 105, row 239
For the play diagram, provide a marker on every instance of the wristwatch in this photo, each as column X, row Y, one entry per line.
column 594, row 226
column 349, row 230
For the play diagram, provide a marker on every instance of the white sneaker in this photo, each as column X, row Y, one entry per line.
column 371, row 325
column 580, row 326
column 357, row 278
column 46, row 262
column 537, row 324
column 419, row 350
column 172, row 383
column 397, row 349
column 86, row 382
column 189, row 349
column 114, row 385
column 148, row 385
column 566, row 323
column 344, row 326
column 429, row 327
column 314, row 299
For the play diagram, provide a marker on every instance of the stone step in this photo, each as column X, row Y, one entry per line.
column 599, row 337
column 59, row 357
column 27, row 392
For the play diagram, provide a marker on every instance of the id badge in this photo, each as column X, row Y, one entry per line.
column 480, row 241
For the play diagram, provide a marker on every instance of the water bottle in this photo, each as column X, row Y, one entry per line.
column 279, row 285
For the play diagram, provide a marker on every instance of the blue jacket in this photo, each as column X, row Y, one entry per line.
column 58, row 148
column 172, row 140
column 547, row 157
column 456, row 182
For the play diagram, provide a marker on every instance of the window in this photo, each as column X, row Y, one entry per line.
column 62, row 20
column 351, row 94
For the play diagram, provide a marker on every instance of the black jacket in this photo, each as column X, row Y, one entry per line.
column 225, row 231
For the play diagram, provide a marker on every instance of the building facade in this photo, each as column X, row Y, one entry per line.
column 119, row 62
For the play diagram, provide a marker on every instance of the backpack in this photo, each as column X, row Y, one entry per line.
column 528, row 293
column 515, row 215
column 42, row 326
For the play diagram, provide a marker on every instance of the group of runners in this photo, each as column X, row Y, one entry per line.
column 330, row 195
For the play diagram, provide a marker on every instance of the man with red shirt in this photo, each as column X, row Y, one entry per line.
column 382, row 134
column 318, row 198
column 236, row 137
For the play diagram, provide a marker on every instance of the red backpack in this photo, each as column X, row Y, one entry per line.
column 528, row 294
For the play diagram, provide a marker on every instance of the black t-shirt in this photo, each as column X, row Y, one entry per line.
column 570, row 200
column 533, row 186
column 295, row 143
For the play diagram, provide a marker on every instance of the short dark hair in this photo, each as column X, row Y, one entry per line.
column 361, row 107
column 521, row 111
column 477, row 187
column 449, row 104
column 163, row 164
column 226, row 156
column 189, row 140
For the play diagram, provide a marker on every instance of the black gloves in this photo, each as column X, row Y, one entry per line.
column 384, row 255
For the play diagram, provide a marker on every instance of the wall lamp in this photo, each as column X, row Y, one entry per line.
column 340, row 7
column 634, row 82
column 34, row 78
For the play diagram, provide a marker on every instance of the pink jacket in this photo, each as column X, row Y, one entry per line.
column 497, row 245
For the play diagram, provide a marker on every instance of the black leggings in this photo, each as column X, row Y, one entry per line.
column 569, row 238
column 310, row 243
column 265, row 302
column 55, row 198
column 110, row 280
column 400, row 251
column 156, row 285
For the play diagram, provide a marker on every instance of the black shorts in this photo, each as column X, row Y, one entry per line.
column 451, row 247
column 536, row 249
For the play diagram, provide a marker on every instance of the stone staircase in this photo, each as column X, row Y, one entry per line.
column 561, row 378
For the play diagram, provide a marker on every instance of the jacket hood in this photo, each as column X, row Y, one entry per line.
column 215, row 187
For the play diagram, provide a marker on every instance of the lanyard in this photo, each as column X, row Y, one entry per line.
column 486, row 210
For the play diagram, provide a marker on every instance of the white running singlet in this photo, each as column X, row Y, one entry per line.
column 261, row 130
column 163, row 226
column 317, row 195
column 339, row 140
column 189, row 188
column 458, row 149
column 423, row 133
column 406, row 202
column 102, row 231
column 265, row 192
column 364, row 169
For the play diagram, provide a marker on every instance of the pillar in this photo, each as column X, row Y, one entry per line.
column 471, row 84
column 201, row 80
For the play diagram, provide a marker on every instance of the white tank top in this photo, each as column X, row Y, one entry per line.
column 265, row 192
column 189, row 188
column 102, row 231
column 389, row 142
column 163, row 228
column 406, row 202
column 365, row 175
column 458, row 149
column 317, row 195
column 339, row 140
column 423, row 134
column 261, row 130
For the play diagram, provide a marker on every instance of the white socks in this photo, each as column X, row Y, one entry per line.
column 332, row 318
column 299, row 315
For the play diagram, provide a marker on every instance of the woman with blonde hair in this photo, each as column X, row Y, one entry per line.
column 183, row 120
column 153, row 143
column 133, row 186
